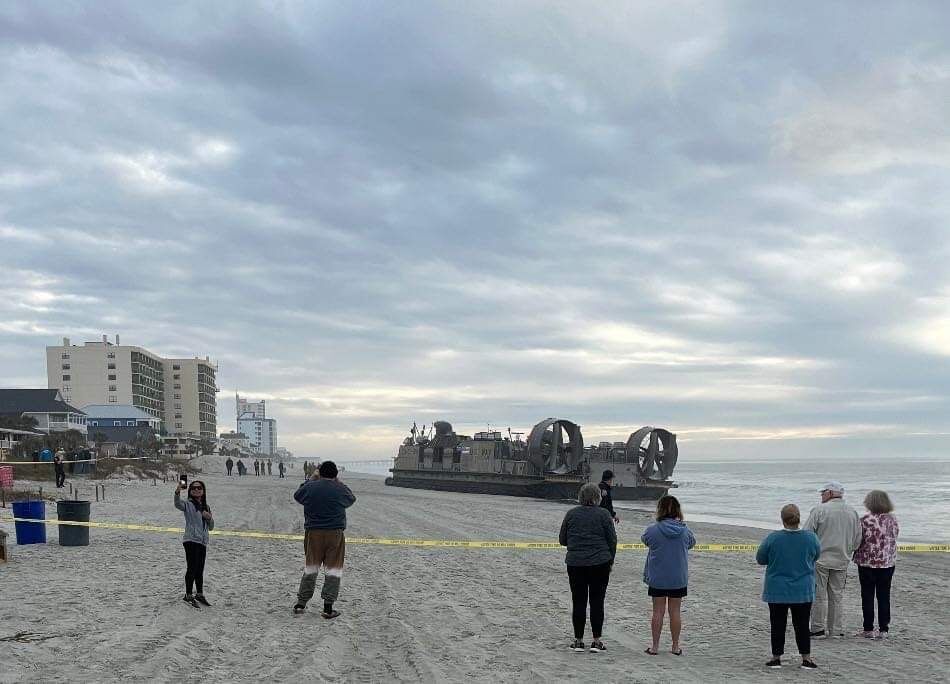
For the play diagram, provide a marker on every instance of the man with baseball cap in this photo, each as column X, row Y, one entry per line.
column 839, row 530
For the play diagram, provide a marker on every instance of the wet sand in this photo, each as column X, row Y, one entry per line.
column 113, row 611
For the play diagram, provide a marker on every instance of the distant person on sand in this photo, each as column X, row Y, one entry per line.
column 606, row 500
column 60, row 469
column 269, row 467
column 666, row 572
column 591, row 540
column 790, row 556
column 876, row 559
column 240, row 468
column 280, row 469
column 229, row 464
column 839, row 531
column 198, row 523
column 325, row 500
column 257, row 467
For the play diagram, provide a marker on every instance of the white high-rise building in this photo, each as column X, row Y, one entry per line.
column 252, row 421
column 181, row 392
column 262, row 432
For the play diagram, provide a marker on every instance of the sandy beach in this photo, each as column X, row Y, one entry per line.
column 113, row 611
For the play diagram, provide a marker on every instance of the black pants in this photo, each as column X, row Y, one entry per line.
column 876, row 581
column 588, row 580
column 195, row 558
column 229, row 470
column 778, row 617
column 60, row 478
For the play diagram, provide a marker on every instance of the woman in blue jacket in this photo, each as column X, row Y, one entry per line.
column 667, row 569
column 790, row 556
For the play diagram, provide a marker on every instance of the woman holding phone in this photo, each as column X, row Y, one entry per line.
column 198, row 523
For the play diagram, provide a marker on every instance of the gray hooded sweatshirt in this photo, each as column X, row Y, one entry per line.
column 196, row 527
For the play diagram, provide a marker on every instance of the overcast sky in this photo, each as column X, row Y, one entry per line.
column 727, row 219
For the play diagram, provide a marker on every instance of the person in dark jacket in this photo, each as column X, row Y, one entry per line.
column 606, row 500
column 60, row 468
column 240, row 468
column 667, row 569
column 198, row 523
column 325, row 500
column 790, row 556
column 229, row 464
column 591, row 540
column 257, row 467
column 281, row 469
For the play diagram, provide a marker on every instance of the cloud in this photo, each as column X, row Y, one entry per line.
column 727, row 220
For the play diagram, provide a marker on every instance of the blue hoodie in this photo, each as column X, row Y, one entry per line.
column 667, row 566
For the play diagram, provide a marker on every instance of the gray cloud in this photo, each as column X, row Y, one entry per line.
column 723, row 218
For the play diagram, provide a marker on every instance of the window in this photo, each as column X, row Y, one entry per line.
column 112, row 377
column 66, row 378
column 116, row 423
column 65, row 355
column 65, row 366
column 177, row 396
column 130, row 423
column 93, row 422
column 111, row 366
column 178, row 406
column 112, row 388
column 178, row 425
column 177, row 376
column 111, row 355
column 178, row 415
column 112, row 399
column 176, row 367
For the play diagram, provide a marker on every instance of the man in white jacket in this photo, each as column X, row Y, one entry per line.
column 839, row 530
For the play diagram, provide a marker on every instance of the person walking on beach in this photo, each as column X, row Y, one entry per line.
column 257, row 467
column 591, row 540
column 269, row 467
column 325, row 500
column 280, row 469
column 606, row 500
column 60, row 468
column 229, row 464
column 666, row 572
column 198, row 523
column 839, row 531
column 240, row 468
column 876, row 559
column 790, row 556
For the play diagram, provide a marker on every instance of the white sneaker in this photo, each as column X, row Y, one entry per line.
column 880, row 635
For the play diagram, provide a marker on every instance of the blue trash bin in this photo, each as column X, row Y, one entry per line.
column 26, row 532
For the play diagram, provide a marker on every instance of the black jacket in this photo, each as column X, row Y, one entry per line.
column 606, row 500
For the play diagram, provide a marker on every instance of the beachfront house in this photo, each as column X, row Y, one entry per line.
column 46, row 406
column 9, row 438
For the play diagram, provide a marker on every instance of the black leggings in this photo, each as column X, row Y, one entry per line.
column 778, row 617
column 876, row 580
column 195, row 558
column 584, row 579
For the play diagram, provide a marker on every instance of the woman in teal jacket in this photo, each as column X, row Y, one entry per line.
column 790, row 556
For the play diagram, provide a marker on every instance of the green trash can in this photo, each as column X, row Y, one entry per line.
column 74, row 511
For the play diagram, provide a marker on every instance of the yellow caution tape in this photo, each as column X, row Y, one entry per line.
column 436, row 543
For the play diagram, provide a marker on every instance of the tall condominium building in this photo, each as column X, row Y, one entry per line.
column 179, row 391
column 252, row 421
column 262, row 433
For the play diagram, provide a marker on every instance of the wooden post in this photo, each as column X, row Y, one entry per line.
column 97, row 493
column 3, row 546
column 103, row 492
column 3, row 498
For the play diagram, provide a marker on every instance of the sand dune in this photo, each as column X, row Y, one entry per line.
column 112, row 611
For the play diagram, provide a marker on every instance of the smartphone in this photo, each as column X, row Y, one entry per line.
column 183, row 480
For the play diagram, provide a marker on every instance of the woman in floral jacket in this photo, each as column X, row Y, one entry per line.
column 875, row 559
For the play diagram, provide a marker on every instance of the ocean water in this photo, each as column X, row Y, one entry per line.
column 751, row 492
